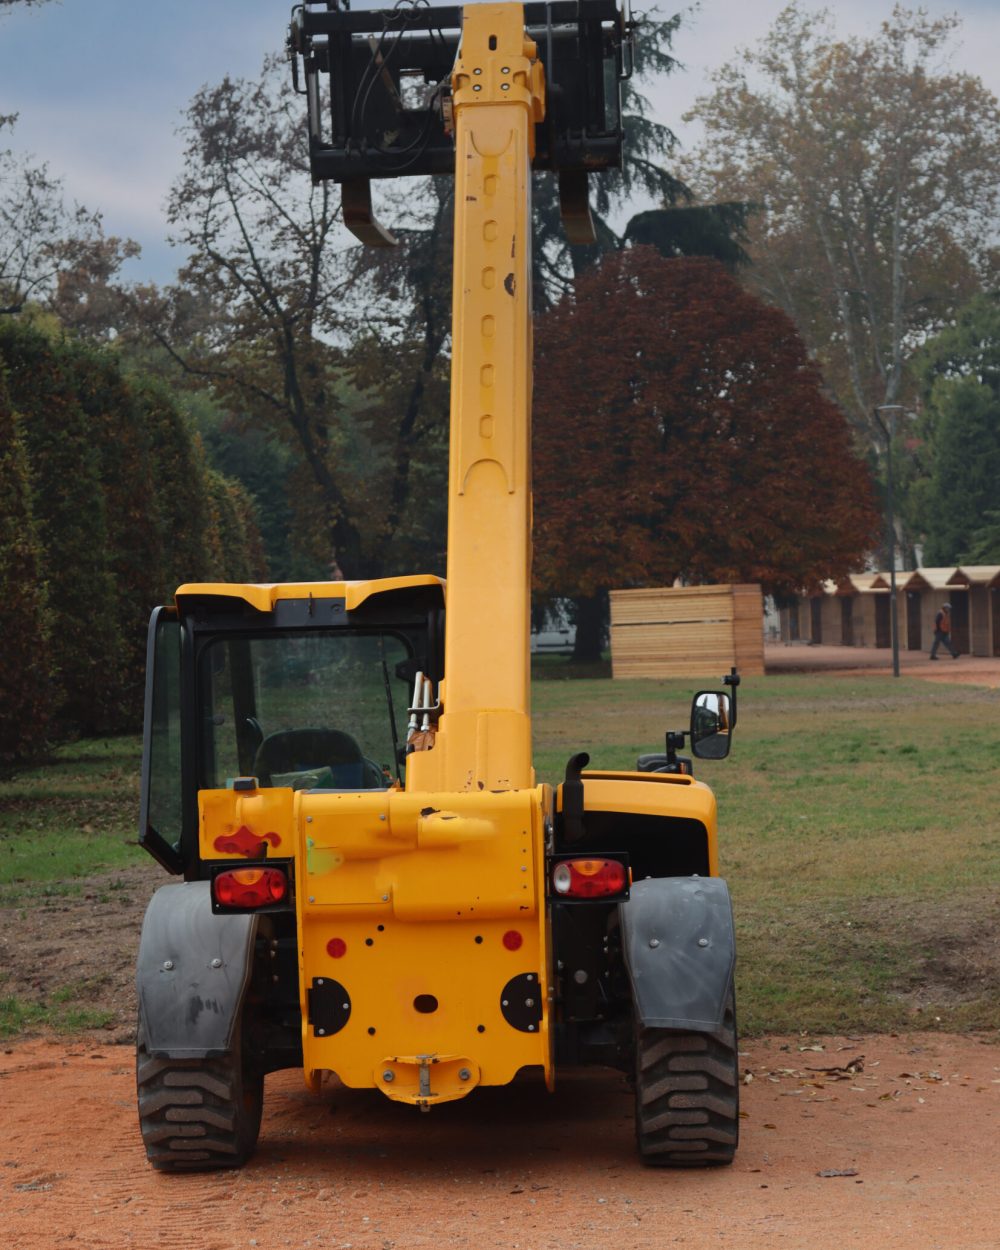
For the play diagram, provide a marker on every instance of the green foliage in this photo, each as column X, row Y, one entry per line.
column 181, row 495
column 965, row 468
column 984, row 542
column 25, row 682
column 106, row 505
column 959, row 370
column 134, row 529
column 258, row 460
column 68, row 501
column 235, row 551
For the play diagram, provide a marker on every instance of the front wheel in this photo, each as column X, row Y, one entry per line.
column 198, row 1114
column 687, row 1095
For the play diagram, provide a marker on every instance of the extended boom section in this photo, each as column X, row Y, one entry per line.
column 485, row 733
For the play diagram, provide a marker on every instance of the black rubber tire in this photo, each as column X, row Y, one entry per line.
column 687, row 1096
column 197, row 1115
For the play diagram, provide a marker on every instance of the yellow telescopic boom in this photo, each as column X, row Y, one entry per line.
column 484, row 738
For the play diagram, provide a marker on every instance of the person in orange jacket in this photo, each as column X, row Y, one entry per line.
column 942, row 632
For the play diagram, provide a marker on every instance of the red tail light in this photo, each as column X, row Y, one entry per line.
column 250, row 887
column 589, row 878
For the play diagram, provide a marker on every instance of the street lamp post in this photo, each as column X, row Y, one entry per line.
column 889, row 434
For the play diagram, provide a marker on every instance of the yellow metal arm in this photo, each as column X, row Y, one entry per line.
column 499, row 95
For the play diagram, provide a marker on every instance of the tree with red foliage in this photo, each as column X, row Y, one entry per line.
column 681, row 431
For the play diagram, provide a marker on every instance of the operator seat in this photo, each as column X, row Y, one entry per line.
column 326, row 759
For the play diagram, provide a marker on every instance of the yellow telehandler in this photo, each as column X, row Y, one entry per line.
column 375, row 885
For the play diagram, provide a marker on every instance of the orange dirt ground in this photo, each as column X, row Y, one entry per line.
column 911, row 1134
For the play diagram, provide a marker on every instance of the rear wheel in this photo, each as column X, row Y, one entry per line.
column 198, row 1114
column 687, row 1095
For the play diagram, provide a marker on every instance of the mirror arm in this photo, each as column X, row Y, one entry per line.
column 674, row 739
column 732, row 679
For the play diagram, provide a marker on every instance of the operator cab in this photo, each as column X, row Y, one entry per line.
column 298, row 686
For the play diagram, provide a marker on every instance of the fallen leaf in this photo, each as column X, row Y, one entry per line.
column 841, row 1072
column 838, row 1172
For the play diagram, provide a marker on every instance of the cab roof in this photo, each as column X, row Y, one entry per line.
column 263, row 596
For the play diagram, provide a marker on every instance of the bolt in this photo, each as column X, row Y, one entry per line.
column 529, row 977
column 703, row 941
column 321, row 1032
column 388, row 1075
column 216, row 963
column 505, row 86
column 385, row 898
column 381, row 815
column 505, row 69
column 319, row 980
column 464, row 1074
column 504, row 1003
column 531, row 1028
column 529, row 1002
column 346, row 1006
column 580, row 976
column 476, row 87
column 654, row 943
column 477, row 70
column 524, row 867
column 312, row 898
column 276, row 978
column 168, row 965
column 308, row 820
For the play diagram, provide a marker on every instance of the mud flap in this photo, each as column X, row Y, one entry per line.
column 680, row 951
column 192, row 973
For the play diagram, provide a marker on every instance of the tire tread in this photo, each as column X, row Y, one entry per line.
column 197, row 1114
column 687, row 1095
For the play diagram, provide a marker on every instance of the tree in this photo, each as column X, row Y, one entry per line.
column 681, row 431
column 258, row 305
column 875, row 171
column 50, row 252
column 25, row 678
column 959, row 454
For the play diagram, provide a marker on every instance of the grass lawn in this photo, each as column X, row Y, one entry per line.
column 858, row 831
column 70, row 818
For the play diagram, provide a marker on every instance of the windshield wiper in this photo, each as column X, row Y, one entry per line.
column 392, row 710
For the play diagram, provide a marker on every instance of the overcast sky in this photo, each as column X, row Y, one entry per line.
column 100, row 85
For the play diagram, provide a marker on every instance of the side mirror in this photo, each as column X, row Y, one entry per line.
column 711, row 723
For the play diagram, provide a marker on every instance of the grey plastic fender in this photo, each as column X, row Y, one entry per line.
column 680, row 951
column 192, row 973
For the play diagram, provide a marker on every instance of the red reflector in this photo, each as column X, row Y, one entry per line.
column 250, row 887
column 336, row 948
column 512, row 940
column 589, row 878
